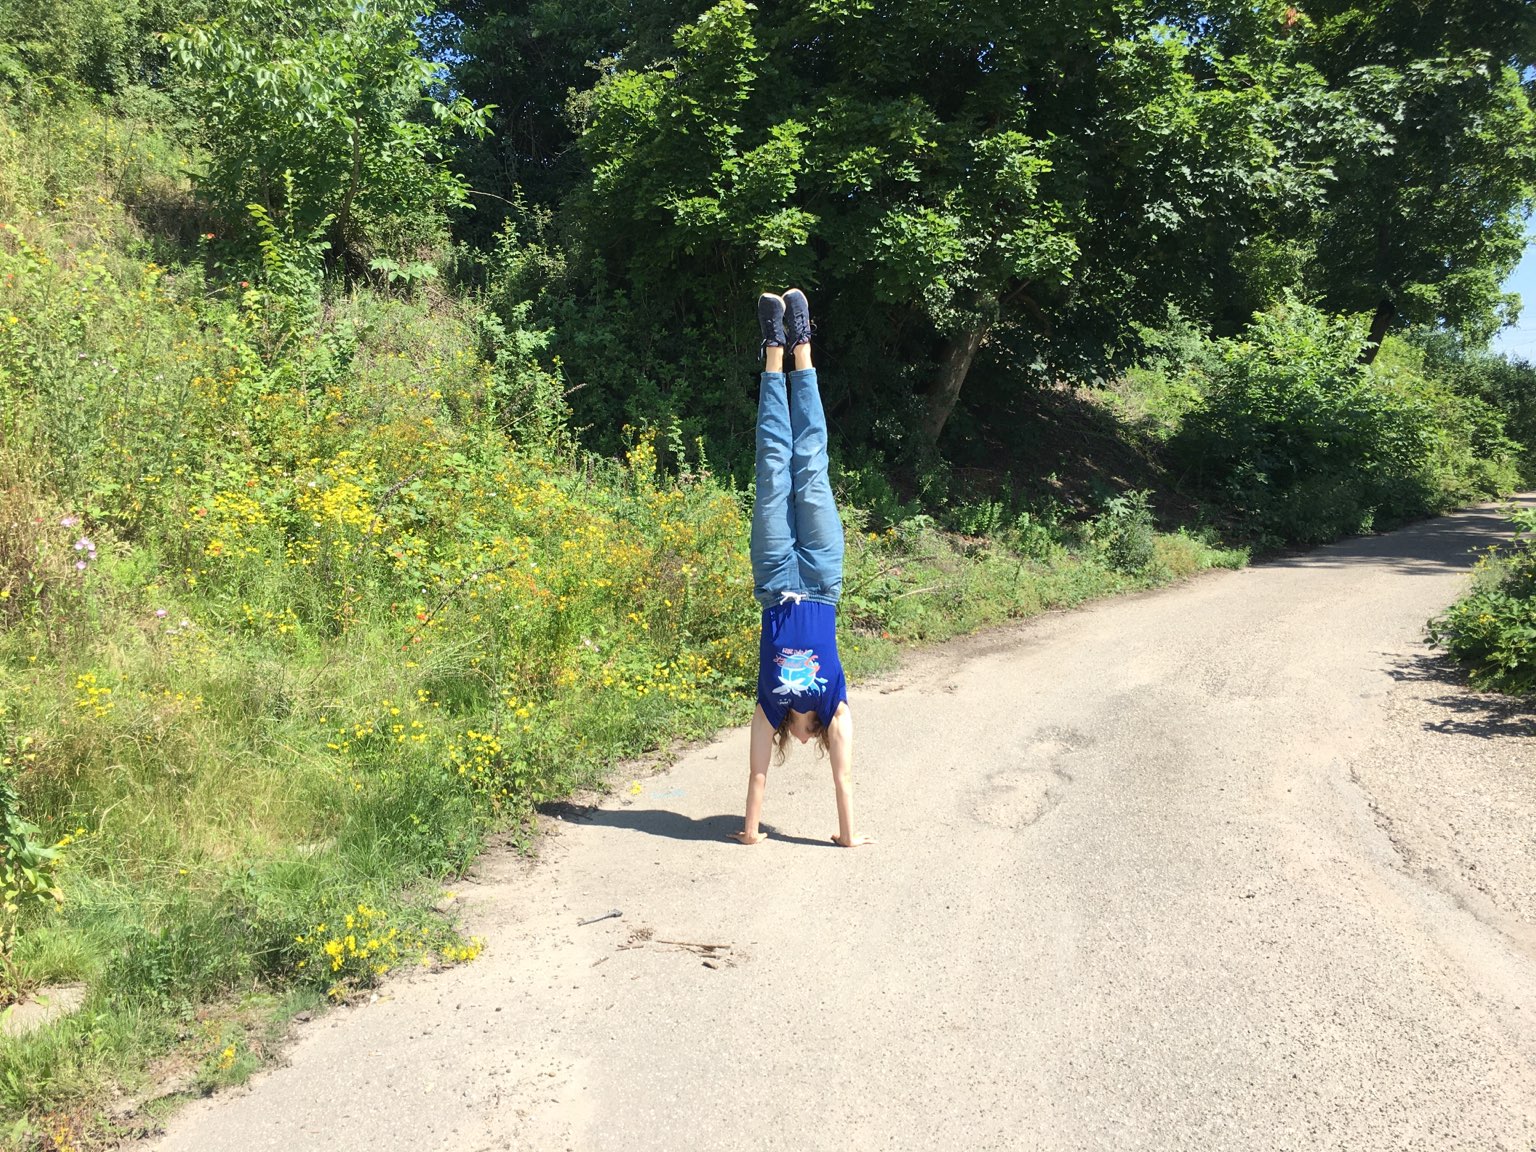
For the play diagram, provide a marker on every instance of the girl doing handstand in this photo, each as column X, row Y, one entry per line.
column 797, row 570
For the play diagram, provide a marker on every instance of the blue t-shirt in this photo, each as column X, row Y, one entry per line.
column 797, row 661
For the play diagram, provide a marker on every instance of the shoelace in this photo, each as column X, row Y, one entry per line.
column 796, row 597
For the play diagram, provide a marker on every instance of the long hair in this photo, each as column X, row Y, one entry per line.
column 781, row 736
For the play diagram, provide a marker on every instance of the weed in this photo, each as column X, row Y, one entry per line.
column 1125, row 534
column 1492, row 629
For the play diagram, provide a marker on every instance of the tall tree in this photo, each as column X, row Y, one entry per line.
column 524, row 58
column 1030, row 178
column 1427, row 215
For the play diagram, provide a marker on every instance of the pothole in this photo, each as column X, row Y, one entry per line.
column 1019, row 796
column 1019, row 799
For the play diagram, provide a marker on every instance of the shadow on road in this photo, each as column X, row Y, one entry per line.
column 1428, row 548
column 672, row 825
column 1468, row 713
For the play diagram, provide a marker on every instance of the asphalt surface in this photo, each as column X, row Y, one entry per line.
column 1234, row 865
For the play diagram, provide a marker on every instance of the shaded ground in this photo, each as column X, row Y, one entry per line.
column 1197, row 869
column 1066, row 444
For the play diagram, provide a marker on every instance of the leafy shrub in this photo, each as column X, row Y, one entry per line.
column 284, row 305
column 1154, row 394
column 1506, row 385
column 528, row 398
column 27, row 860
column 105, row 46
column 1303, row 443
column 1124, row 532
column 26, row 872
column 309, row 111
column 1471, row 454
column 1492, row 630
column 979, row 518
column 861, row 481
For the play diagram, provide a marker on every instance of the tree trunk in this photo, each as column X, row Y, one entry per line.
column 954, row 366
column 343, row 224
column 1380, row 322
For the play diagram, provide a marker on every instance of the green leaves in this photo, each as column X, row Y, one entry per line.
column 1019, row 187
column 105, row 47
column 1435, row 163
column 1492, row 630
column 325, row 114
column 1303, row 442
column 27, row 862
column 1029, row 180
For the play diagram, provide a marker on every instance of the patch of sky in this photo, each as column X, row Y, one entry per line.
column 1519, row 340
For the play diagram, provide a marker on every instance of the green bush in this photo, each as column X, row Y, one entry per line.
column 310, row 112
column 27, row 864
column 1301, row 442
column 1125, row 534
column 1154, row 394
column 1506, row 385
column 110, row 47
column 1492, row 630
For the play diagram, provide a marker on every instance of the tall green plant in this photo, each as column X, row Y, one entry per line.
column 1492, row 630
column 1303, row 442
column 27, row 860
column 325, row 110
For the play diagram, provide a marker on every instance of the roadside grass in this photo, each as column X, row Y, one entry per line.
column 916, row 583
column 1491, row 631
column 294, row 613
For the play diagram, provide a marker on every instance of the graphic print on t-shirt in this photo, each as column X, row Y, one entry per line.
column 798, row 668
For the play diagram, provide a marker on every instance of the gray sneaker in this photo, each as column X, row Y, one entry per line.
column 797, row 318
column 770, row 320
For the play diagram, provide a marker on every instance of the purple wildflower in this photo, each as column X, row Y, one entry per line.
column 79, row 565
column 69, row 521
column 160, row 613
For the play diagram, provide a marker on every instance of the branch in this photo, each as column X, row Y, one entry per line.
column 392, row 491
column 918, row 591
column 492, row 196
column 1031, row 305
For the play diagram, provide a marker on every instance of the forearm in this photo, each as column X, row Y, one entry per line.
column 840, row 750
column 759, row 751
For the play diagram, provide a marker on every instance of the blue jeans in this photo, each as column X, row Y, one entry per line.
column 797, row 537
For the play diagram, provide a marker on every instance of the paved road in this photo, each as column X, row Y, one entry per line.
column 1133, row 890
